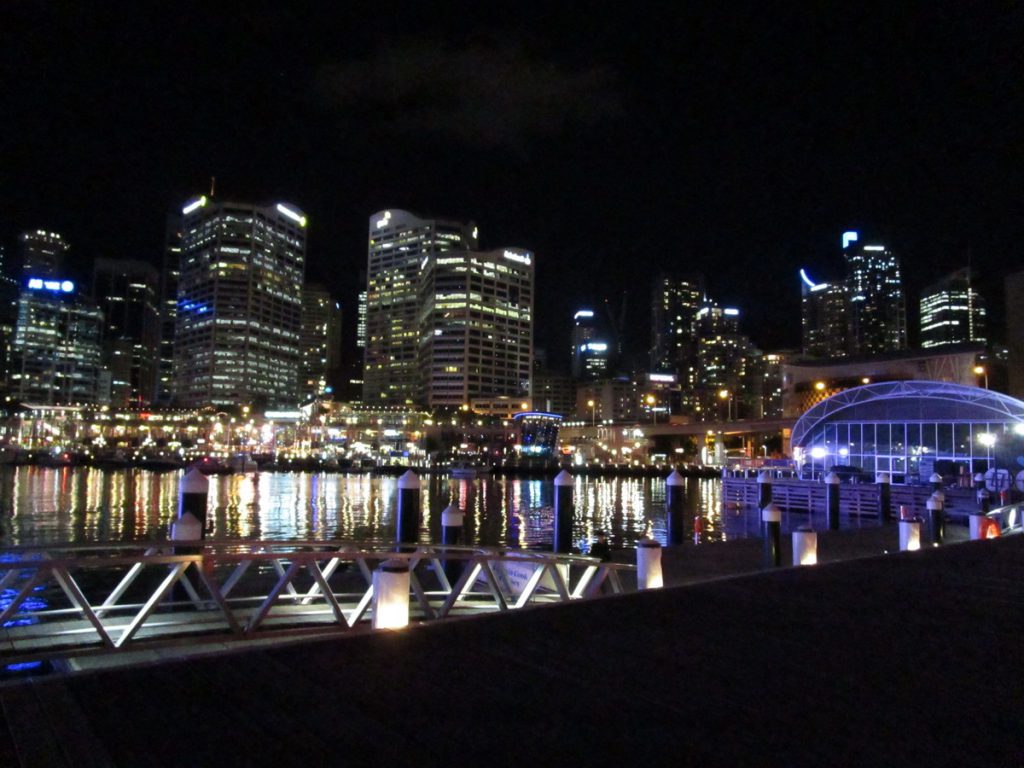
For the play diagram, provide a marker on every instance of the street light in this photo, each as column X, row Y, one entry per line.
column 651, row 400
column 981, row 370
column 725, row 394
column 593, row 417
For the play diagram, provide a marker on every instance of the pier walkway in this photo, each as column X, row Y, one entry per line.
column 906, row 658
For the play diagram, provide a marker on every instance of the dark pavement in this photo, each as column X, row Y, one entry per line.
column 902, row 659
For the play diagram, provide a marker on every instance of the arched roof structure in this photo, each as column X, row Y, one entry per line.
column 909, row 401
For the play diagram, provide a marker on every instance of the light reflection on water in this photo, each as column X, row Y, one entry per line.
column 85, row 505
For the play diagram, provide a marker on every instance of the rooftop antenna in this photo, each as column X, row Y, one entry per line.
column 213, row 184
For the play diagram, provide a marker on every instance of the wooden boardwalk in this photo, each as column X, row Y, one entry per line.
column 902, row 659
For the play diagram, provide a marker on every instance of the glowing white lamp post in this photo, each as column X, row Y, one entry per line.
column 648, row 565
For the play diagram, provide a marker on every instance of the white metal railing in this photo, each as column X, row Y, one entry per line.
column 82, row 600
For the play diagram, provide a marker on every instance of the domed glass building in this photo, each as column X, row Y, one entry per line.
column 913, row 429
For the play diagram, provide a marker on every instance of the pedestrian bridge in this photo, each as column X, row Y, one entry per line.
column 72, row 601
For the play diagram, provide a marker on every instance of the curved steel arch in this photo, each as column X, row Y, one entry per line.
column 1004, row 407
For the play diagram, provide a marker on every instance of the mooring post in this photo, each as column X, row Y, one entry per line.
column 884, row 496
column 452, row 520
column 562, row 539
column 764, row 489
column 936, row 481
column 832, row 501
column 193, row 492
column 936, row 517
column 407, row 522
column 648, row 565
column 674, row 503
column 771, row 524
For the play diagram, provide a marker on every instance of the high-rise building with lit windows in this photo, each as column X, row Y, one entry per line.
column 400, row 247
column 591, row 349
column 862, row 315
column 877, row 307
column 320, row 369
column 724, row 358
column 56, row 353
column 476, row 327
column 42, row 254
column 823, row 317
column 674, row 305
column 169, row 275
column 126, row 292
column 952, row 312
column 239, row 310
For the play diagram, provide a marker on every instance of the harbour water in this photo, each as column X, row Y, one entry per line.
column 86, row 505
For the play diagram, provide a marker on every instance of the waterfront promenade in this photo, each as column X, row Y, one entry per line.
column 906, row 658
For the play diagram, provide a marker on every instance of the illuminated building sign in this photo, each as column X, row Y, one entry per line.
column 54, row 286
column 520, row 257
column 383, row 222
column 296, row 217
column 583, row 313
column 849, row 237
column 194, row 205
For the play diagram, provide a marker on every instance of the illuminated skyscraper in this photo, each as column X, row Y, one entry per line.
column 674, row 305
column 823, row 318
column 724, row 357
column 239, row 304
column 42, row 254
column 169, row 275
column 126, row 292
column 400, row 245
column 320, row 368
column 877, row 308
column 591, row 349
column 952, row 312
column 476, row 326
column 56, row 351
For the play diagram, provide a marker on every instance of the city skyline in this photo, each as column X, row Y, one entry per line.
column 735, row 142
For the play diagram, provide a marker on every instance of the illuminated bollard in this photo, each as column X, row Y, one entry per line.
column 764, row 489
column 977, row 524
column 935, row 507
column 832, row 501
column 192, row 494
column 771, row 524
column 936, row 481
column 451, row 534
column 884, row 496
column 391, row 595
column 562, row 542
column 910, row 535
column 674, row 503
column 648, row 565
column 805, row 546
column 407, row 516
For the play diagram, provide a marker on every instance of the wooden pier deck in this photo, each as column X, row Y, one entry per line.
column 908, row 658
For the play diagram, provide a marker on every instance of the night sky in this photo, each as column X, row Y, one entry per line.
column 736, row 139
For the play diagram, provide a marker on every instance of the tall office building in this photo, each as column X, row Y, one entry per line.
column 169, row 275
column 952, row 312
column 877, row 308
column 823, row 318
column 475, row 326
column 56, row 352
column 42, row 254
column 239, row 307
column 126, row 292
column 400, row 245
column 724, row 357
column 591, row 349
column 320, row 368
column 674, row 305
column 8, row 314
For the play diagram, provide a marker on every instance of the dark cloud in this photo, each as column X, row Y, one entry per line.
column 484, row 96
